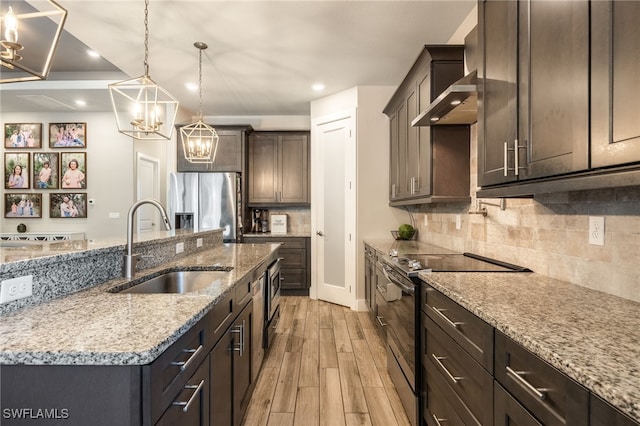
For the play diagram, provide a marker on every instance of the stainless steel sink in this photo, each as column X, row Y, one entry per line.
column 177, row 282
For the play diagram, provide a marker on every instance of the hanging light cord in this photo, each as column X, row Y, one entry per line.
column 146, row 37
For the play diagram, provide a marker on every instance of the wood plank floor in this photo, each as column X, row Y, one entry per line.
column 326, row 367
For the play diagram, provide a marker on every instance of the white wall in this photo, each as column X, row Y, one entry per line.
column 264, row 122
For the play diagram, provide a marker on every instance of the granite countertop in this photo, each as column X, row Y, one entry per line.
column 406, row 246
column 591, row 336
column 95, row 327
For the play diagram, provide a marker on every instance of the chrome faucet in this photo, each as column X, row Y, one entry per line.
column 130, row 259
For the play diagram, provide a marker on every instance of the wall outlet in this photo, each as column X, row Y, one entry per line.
column 426, row 220
column 179, row 247
column 596, row 230
column 458, row 221
column 16, row 288
column 199, row 242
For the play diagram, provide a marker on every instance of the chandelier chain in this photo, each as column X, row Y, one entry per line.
column 200, row 82
column 146, row 37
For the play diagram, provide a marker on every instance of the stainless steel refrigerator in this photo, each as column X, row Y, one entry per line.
column 204, row 201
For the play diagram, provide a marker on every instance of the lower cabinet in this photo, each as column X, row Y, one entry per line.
column 191, row 406
column 295, row 266
column 508, row 411
column 230, row 365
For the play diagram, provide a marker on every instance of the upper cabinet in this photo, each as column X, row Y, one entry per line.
column 230, row 155
column 427, row 164
column 615, row 83
column 556, row 88
column 278, row 170
column 534, row 89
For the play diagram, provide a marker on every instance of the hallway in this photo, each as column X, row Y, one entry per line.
column 326, row 367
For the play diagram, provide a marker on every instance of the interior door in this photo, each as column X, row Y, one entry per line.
column 148, row 186
column 333, row 209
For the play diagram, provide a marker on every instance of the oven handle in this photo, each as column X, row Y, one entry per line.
column 403, row 286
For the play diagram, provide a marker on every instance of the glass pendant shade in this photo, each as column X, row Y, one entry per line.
column 199, row 142
column 143, row 109
column 28, row 40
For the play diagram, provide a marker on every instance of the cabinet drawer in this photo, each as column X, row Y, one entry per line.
column 221, row 316
column 552, row 397
column 508, row 411
column 603, row 414
column 459, row 370
column 165, row 377
column 243, row 293
column 470, row 332
column 293, row 258
column 191, row 405
column 442, row 403
column 293, row 279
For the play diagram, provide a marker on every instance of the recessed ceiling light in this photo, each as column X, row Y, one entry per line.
column 93, row 53
column 80, row 102
column 317, row 87
column 434, row 119
column 456, row 102
column 191, row 86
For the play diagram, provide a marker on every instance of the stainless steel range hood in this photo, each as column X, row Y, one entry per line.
column 458, row 104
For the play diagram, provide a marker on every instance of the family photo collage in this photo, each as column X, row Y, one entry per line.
column 32, row 167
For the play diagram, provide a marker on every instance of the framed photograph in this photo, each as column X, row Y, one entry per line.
column 45, row 170
column 16, row 170
column 67, row 135
column 67, row 206
column 73, row 169
column 22, row 206
column 22, row 135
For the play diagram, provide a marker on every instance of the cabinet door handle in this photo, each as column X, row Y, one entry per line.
column 517, row 377
column 380, row 321
column 439, row 363
column 437, row 420
column 239, row 329
column 446, row 318
column 185, row 364
column 185, row 405
column 505, row 165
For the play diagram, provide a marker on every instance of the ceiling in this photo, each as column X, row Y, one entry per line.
column 262, row 59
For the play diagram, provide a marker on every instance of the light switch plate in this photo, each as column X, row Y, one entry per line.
column 199, row 242
column 179, row 247
column 458, row 221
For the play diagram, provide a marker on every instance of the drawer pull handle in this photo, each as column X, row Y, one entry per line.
column 185, row 364
column 517, row 376
column 185, row 405
column 446, row 318
column 379, row 318
column 438, row 360
column 437, row 420
column 239, row 329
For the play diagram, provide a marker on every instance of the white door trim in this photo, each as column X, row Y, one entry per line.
column 155, row 186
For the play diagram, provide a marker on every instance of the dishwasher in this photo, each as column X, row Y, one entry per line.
column 257, row 290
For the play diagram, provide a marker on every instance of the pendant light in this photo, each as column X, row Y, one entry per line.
column 143, row 109
column 41, row 30
column 199, row 140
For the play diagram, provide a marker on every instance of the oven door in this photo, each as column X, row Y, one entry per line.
column 273, row 300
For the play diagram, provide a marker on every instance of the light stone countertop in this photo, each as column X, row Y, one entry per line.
column 270, row 235
column 95, row 327
column 591, row 336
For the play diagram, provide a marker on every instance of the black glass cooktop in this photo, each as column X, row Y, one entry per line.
column 466, row 262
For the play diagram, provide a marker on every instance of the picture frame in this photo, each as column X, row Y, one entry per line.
column 67, row 135
column 16, row 178
column 23, row 135
column 68, row 205
column 22, row 205
column 73, row 177
column 46, row 168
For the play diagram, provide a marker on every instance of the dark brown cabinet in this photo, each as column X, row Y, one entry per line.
column 230, row 155
column 278, row 170
column 534, row 90
column 191, row 406
column 603, row 414
column 427, row 164
column 295, row 265
column 615, row 83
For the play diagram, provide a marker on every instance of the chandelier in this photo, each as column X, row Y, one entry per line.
column 30, row 59
column 199, row 140
column 143, row 109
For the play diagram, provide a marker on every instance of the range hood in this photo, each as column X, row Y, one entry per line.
column 458, row 104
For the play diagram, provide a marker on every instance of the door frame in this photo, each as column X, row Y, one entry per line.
column 317, row 220
column 155, row 162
